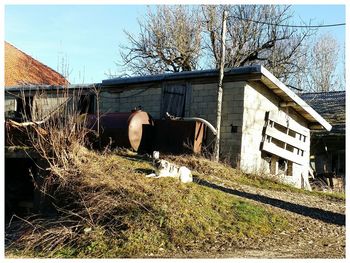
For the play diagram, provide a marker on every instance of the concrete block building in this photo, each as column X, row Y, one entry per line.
column 265, row 126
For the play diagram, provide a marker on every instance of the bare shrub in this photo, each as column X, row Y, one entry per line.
column 58, row 138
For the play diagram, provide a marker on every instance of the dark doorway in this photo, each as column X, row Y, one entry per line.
column 19, row 187
column 86, row 104
column 174, row 100
column 24, row 108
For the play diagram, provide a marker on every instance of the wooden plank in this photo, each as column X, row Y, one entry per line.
column 288, row 123
column 274, row 149
column 295, row 142
column 287, row 104
column 314, row 126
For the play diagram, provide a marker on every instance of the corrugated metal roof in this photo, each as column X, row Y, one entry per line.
column 331, row 106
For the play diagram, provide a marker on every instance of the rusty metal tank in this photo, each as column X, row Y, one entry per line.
column 124, row 129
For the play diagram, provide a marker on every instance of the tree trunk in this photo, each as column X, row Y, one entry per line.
column 221, row 76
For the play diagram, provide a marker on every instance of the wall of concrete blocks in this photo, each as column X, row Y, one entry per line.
column 148, row 98
column 232, row 120
column 258, row 99
column 202, row 104
column 109, row 102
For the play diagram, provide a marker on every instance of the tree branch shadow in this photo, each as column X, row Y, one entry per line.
column 316, row 213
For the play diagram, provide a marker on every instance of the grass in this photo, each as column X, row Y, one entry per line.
column 219, row 172
column 109, row 209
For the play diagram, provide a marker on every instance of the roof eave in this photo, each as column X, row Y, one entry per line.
column 289, row 96
column 33, row 87
column 205, row 74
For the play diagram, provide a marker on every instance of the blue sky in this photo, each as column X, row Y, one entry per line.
column 89, row 36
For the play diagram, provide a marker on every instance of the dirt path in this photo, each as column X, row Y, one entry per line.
column 321, row 224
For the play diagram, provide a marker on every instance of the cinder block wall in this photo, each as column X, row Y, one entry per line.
column 258, row 99
column 148, row 98
column 232, row 120
column 109, row 102
column 204, row 105
column 203, row 102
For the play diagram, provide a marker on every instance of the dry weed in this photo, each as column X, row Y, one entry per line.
column 106, row 207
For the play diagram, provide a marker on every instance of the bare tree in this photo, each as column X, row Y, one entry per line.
column 220, row 89
column 322, row 60
column 63, row 66
column 257, row 34
column 182, row 38
column 169, row 41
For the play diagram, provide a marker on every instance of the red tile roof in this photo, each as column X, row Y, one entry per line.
column 21, row 68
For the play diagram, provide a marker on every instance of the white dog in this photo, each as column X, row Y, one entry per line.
column 167, row 169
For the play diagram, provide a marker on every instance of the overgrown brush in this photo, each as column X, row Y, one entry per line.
column 106, row 207
column 110, row 209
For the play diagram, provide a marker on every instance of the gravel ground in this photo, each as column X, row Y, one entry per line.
column 319, row 221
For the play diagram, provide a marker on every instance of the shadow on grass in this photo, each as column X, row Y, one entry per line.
column 316, row 213
column 144, row 171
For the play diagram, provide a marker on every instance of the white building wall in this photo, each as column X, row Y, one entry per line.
column 258, row 99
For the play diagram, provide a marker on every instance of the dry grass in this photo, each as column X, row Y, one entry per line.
column 109, row 209
column 106, row 207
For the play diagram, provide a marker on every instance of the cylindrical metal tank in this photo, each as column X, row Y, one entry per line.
column 123, row 129
column 140, row 126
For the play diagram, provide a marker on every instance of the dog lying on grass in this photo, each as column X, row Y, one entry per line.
column 167, row 169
